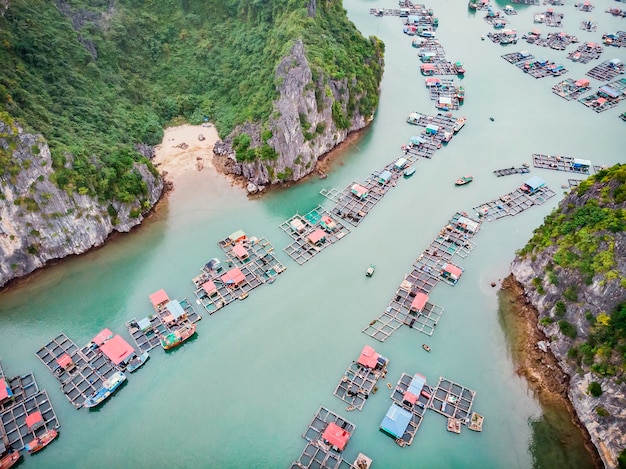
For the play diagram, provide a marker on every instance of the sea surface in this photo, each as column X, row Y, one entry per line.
column 243, row 392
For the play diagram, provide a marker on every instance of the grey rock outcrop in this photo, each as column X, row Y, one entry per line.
column 40, row 222
column 604, row 417
column 302, row 124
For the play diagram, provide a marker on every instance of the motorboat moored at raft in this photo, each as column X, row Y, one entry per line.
column 40, row 442
column 370, row 270
column 174, row 339
column 109, row 386
column 463, row 180
column 137, row 362
column 458, row 125
column 9, row 459
column 410, row 171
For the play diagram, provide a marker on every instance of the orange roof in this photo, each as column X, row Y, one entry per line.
column 336, row 436
column 117, row 349
column 427, row 67
column 368, row 357
column 102, row 337
column 233, row 277
column 64, row 360
column 240, row 251
column 33, row 419
column 419, row 302
column 4, row 391
column 410, row 397
column 316, row 236
column 209, row 287
column 453, row 270
column 159, row 298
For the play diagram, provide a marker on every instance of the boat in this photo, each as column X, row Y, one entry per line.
column 40, row 442
column 410, row 171
column 458, row 125
column 463, row 180
column 243, row 296
column 174, row 339
column 350, row 408
column 108, row 387
column 491, row 119
column 458, row 65
column 137, row 362
column 370, row 270
column 426, row 347
column 9, row 459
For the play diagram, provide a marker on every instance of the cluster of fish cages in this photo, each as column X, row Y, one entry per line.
column 511, row 170
column 452, row 400
column 570, row 89
column 586, row 52
column 540, row 68
column 507, row 36
column 556, row 41
column 589, row 26
column 513, row 203
column 607, row 96
column 550, row 18
column 617, row 39
column 584, row 6
column 561, row 163
column 410, row 304
column 607, row 70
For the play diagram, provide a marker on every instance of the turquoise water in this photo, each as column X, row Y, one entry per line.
column 242, row 393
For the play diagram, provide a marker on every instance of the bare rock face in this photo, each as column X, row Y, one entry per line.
column 40, row 222
column 302, row 123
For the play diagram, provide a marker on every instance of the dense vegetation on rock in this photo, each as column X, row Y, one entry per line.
column 97, row 77
column 586, row 236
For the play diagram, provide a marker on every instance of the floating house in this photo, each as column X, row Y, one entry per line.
column 400, row 163
column 34, row 421
column 581, row 165
column 117, row 350
column 297, row 226
column 466, row 224
column 359, row 191
column 384, row 177
column 416, row 141
column 240, row 252
column 413, row 118
column 328, row 224
column 418, row 303
column 237, row 237
column 336, row 437
column 317, row 238
column 233, row 278
column 175, row 312
column 144, row 324
column 427, row 69
column 159, row 299
column 582, row 83
column 417, row 384
column 396, row 420
column 102, row 337
column 432, row 129
column 370, row 359
column 533, row 185
column 5, row 391
column 65, row 362
column 209, row 288
column 451, row 273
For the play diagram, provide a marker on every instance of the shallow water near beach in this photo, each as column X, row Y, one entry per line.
column 243, row 392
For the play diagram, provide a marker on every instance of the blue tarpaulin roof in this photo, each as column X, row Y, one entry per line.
column 385, row 175
column 175, row 309
column 144, row 324
column 417, row 140
column 535, row 183
column 396, row 421
column 416, row 385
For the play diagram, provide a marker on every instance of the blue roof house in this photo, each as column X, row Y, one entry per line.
column 396, row 421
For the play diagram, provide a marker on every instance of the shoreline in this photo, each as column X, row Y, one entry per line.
column 548, row 382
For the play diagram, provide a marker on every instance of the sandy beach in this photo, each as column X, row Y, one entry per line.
column 182, row 150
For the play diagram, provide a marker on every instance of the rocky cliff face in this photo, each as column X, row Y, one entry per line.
column 603, row 416
column 39, row 222
column 302, row 124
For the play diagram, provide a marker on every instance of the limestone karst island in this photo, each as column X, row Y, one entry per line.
column 312, row 234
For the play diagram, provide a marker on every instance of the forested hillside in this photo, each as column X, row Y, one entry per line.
column 97, row 77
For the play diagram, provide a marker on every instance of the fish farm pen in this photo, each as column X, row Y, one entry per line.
column 514, row 202
column 561, row 163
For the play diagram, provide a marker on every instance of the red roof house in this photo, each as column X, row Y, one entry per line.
column 5, row 390
column 34, row 420
column 419, row 302
column 117, row 349
column 240, row 251
column 336, row 436
column 317, row 237
column 102, row 337
column 209, row 287
column 64, row 361
column 233, row 277
column 368, row 357
column 410, row 397
column 159, row 299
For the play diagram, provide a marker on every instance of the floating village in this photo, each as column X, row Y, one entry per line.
column 90, row 374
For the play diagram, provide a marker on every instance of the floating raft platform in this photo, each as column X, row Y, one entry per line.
column 312, row 233
column 413, row 10
column 607, row 70
column 147, row 332
column 422, row 315
column 503, row 37
column 513, row 203
column 317, row 454
column 586, row 52
column 251, row 263
column 525, row 2
column 517, row 57
column 607, row 97
column 357, row 383
column 23, row 387
column 511, row 170
column 570, row 89
column 556, row 41
column 452, row 400
column 14, row 426
column 476, row 422
column 617, row 39
column 419, row 408
column 561, row 163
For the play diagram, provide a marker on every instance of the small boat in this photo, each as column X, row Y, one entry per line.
column 491, row 119
column 108, row 387
column 458, row 65
column 174, row 339
column 350, row 408
column 410, row 171
column 40, row 442
column 137, row 362
column 426, row 347
column 463, row 180
column 458, row 125
column 370, row 270
column 9, row 459
column 243, row 296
